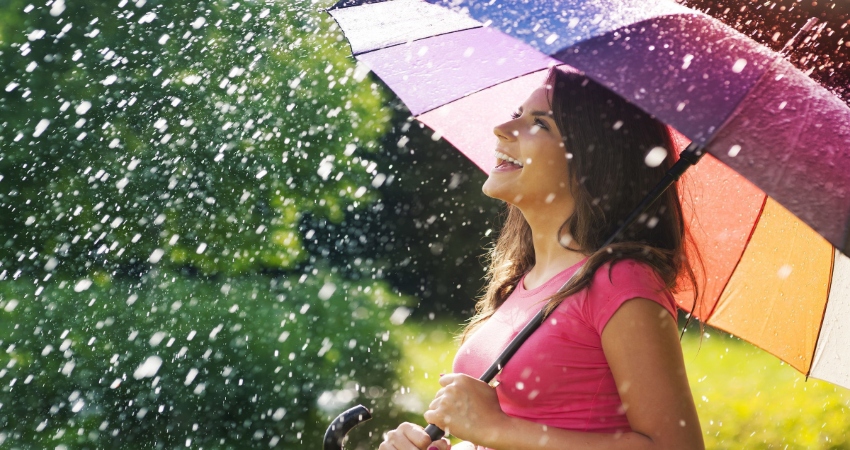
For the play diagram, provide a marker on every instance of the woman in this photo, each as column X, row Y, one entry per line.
column 605, row 370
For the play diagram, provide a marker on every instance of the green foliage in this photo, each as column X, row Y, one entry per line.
column 245, row 362
column 189, row 135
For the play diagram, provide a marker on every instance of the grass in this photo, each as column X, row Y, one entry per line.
column 746, row 398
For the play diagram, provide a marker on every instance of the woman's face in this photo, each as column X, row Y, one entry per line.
column 532, row 139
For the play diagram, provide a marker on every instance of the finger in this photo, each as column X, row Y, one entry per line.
column 397, row 440
column 448, row 378
column 438, row 419
column 387, row 446
column 415, row 435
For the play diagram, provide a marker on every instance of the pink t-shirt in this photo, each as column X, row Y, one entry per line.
column 560, row 376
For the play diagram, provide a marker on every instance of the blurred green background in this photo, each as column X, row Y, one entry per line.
column 217, row 231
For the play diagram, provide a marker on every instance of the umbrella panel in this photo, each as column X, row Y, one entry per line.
column 777, row 295
column 830, row 362
column 791, row 138
column 440, row 69
column 721, row 229
column 383, row 24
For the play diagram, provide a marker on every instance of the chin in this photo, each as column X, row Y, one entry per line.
column 500, row 193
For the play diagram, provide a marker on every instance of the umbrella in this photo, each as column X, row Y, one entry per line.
column 769, row 206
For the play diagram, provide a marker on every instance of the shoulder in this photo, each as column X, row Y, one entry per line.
column 626, row 274
column 616, row 283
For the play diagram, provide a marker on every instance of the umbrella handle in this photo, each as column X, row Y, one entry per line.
column 343, row 424
column 435, row 432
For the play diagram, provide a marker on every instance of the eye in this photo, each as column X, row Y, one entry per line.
column 515, row 115
column 540, row 123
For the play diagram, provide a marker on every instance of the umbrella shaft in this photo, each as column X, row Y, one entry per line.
column 687, row 158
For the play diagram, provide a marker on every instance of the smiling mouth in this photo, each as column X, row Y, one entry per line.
column 503, row 160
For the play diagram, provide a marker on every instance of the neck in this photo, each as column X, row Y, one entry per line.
column 549, row 255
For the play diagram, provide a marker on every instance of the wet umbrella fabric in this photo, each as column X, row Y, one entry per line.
column 769, row 207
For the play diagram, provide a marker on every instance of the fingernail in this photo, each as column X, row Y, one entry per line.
column 440, row 375
column 433, row 448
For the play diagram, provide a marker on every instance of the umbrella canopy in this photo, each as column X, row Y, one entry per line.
column 769, row 207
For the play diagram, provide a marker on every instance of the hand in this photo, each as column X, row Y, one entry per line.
column 467, row 408
column 409, row 436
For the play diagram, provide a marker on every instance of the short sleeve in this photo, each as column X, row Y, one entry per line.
column 628, row 279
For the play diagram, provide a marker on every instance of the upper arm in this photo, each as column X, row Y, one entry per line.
column 641, row 345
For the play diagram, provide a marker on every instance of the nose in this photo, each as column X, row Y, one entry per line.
column 505, row 131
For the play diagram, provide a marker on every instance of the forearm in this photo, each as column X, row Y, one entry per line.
column 519, row 434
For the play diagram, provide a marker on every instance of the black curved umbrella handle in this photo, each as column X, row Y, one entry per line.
column 343, row 424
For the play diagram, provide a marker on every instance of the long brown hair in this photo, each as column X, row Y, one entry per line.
column 607, row 140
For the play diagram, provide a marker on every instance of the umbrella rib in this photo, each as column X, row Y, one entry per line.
column 482, row 89
column 749, row 238
column 410, row 41
column 823, row 315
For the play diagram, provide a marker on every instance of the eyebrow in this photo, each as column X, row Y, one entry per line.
column 538, row 113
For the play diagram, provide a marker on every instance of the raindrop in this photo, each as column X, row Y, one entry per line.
column 10, row 305
column 83, row 107
column 40, row 127
column 51, row 264
column 57, row 8
column 82, row 285
column 148, row 17
column 399, row 315
column 739, row 65
column 734, row 150
column 35, row 35
column 156, row 256
column 327, row 291
column 361, row 70
column 157, row 338
column 149, row 368
column 655, row 157
column 190, row 377
column 78, row 405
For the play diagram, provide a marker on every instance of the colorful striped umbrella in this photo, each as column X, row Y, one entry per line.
column 769, row 207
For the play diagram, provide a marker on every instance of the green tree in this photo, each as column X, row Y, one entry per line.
column 159, row 164
column 186, row 135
